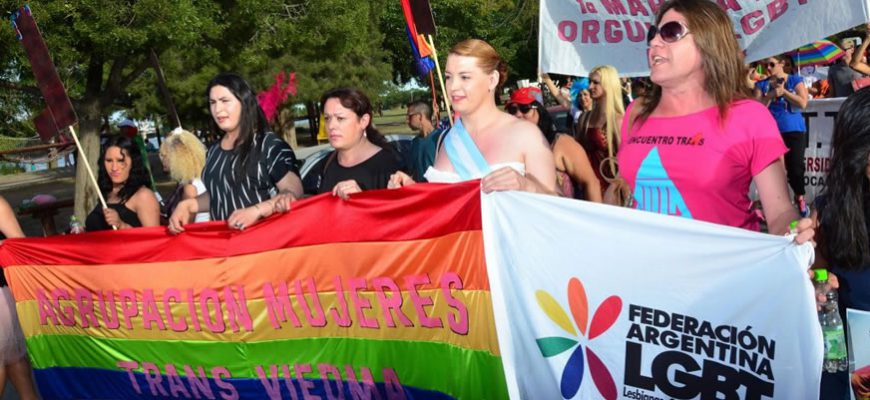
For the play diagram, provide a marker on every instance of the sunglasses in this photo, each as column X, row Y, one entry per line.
column 523, row 108
column 670, row 32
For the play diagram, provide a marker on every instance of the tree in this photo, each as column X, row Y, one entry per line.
column 100, row 47
column 511, row 26
column 327, row 43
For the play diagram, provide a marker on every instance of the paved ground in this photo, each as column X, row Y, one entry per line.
column 61, row 185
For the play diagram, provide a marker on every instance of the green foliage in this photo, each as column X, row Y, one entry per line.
column 101, row 48
column 327, row 43
column 511, row 26
column 9, row 168
column 393, row 96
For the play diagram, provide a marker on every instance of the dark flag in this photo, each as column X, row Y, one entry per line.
column 46, row 75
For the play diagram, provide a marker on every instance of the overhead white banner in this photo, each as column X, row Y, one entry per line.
column 819, row 116
column 577, row 35
column 600, row 302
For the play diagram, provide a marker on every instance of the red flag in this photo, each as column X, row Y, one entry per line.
column 43, row 68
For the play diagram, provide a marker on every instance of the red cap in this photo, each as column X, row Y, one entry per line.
column 526, row 95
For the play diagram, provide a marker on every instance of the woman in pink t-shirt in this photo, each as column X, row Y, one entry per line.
column 694, row 145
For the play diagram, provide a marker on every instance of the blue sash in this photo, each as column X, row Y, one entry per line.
column 466, row 158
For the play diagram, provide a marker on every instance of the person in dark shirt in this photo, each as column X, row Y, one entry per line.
column 842, row 213
column 250, row 172
column 423, row 146
column 840, row 74
column 362, row 159
column 123, row 182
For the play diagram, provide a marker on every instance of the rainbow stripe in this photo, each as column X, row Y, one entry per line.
column 817, row 53
column 382, row 296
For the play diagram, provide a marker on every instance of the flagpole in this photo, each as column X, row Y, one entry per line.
column 431, row 44
column 84, row 159
column 539, row 50
column 432, row 85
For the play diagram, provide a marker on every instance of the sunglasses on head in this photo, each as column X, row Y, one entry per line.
column 523, row 108
column 670, row 32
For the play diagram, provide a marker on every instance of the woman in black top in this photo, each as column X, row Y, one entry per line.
column 250, row 173
column 124, row 184
column 362, row 159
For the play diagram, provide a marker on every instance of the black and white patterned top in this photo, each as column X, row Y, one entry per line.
column 228, row 193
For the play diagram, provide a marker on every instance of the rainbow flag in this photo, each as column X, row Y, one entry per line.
column 383, row 296
column 419, row 48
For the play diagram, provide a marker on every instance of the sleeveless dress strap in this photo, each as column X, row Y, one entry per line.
column 466, row 158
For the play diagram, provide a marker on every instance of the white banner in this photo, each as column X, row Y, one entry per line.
column 819, row 116
column 577, row 35
column 859, row 353
column 600, row 302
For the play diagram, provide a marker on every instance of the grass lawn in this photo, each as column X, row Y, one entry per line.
column 393, row 122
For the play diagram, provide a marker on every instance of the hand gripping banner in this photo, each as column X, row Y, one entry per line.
column 428, row 292
column 384, row 296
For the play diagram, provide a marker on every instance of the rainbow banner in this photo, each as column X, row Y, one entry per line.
column 383, row 296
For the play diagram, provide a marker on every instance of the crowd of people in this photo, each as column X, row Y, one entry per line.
column 693, row 138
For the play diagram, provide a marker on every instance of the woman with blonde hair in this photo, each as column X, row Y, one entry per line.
column 486, row 142
column 183, row 156
column 598, row 130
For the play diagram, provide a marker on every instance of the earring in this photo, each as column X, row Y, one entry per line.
column 365, row 134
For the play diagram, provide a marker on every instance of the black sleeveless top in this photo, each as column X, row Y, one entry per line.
column 96, row 221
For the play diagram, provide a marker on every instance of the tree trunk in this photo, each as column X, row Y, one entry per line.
column 313, row 120
column 288, row 128
column 89, row 137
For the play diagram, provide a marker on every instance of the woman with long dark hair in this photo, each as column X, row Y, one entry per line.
column 250, row 172
column 843, row 215
column 183, row 157
column 362, row 159
column 123, row 182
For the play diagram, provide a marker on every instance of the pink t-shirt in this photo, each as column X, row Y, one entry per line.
column 694, row 167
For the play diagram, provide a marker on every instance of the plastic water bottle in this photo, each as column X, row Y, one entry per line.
column 75, row 227
column 832, row 326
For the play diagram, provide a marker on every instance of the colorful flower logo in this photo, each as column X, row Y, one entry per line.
column 604, row 317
